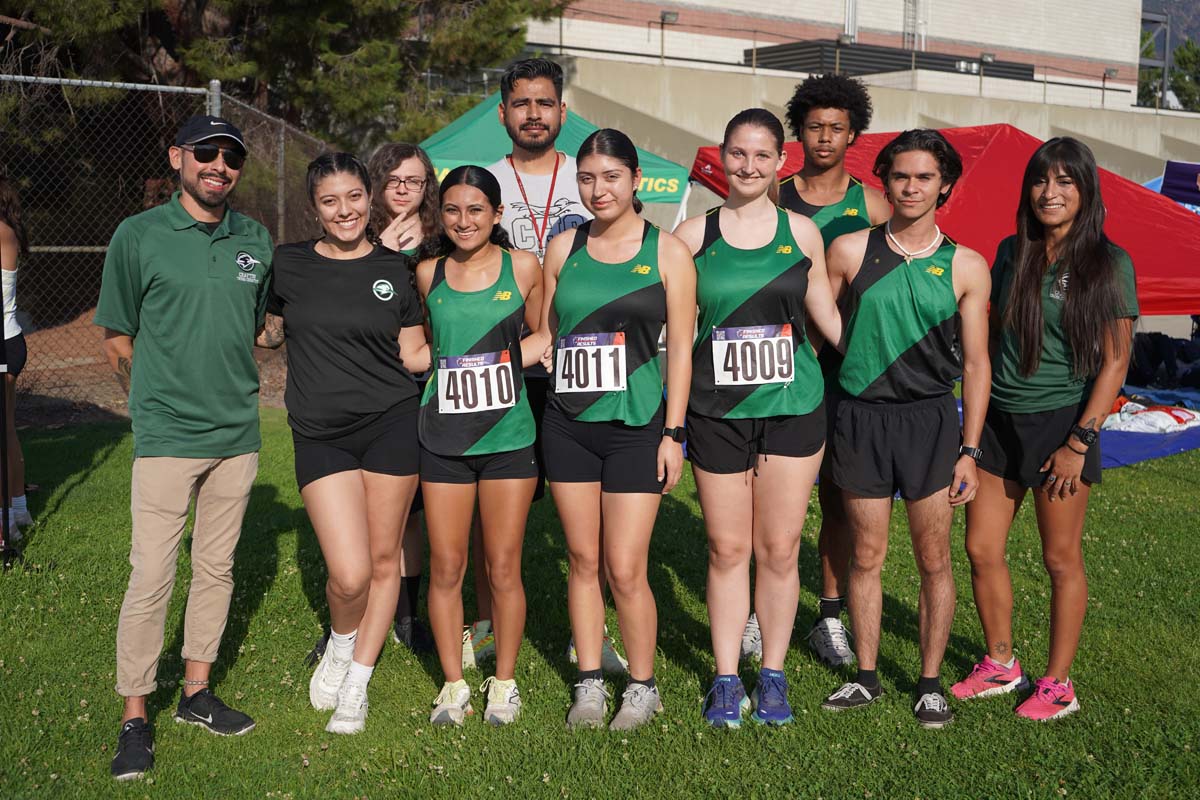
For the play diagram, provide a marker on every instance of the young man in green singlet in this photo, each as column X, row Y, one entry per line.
column 912, row 299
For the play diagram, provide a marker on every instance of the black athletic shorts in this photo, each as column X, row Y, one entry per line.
column 17, row 353
column 832, row 399
column 536, row 390
column 733, row 445
column 1016, row 445
column 387, row 445
column 882, row 448
column 508, row 465
column 621, row 458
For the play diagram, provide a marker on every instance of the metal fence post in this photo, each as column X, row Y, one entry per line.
column 214, row 98
column 280, row 186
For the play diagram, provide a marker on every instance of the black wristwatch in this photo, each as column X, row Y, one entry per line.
column 677, row 434
column 1087, row 436
column 974, row 452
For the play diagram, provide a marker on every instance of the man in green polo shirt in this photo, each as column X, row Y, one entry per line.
column 184, row 289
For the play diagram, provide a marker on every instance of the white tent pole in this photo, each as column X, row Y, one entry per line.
column 681, row 215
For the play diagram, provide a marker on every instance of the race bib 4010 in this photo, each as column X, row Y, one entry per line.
column 753, row 355
column 470, row 384
column 590, row 362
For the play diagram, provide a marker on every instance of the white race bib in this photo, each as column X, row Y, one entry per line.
column 753, row 355
column 470, row 384
column 590, row 362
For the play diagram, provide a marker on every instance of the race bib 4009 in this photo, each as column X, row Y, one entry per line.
column 590, row 362
column 753, row 355
column 470, row 384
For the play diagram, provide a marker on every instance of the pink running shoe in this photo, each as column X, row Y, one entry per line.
column 990, row 678
column 1050, row 700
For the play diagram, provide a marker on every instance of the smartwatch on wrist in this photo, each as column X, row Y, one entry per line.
column 974, row 452
column 1086, row 436
column 677, row 434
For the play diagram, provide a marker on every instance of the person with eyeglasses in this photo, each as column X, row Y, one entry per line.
column 184, row 289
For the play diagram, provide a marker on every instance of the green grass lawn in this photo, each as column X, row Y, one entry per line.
column 1136, row 735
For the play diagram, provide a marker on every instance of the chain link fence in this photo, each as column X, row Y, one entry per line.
column 85, row 155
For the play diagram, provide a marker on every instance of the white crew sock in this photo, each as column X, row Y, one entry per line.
column 359, row 673
column 342, row 644
column 19, row 504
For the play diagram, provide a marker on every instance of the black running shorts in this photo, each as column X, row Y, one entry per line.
column 508, row 465
column 882, row 448
column 387, row 445
column 1016, row 445
column 733, row 445
column 536, row 389
column 622, row 459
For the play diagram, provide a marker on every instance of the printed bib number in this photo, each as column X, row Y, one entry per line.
column 590, row 362
column 753, row 355
column 471, row 384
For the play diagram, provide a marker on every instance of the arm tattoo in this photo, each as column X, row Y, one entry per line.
column 272, row 334
column 1090, row 424
column 124, row 372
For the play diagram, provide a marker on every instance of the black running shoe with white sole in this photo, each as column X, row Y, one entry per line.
column 852, row 695
column 135, row 751
column 932, row 711
column 413, row 634
column 206, row 710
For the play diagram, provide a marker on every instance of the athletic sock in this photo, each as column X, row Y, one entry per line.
column 648, row 683
column 929, row 686
column 868, row 679
column 410, row 592
column 19, row 504
column 831, row 607
column 591, row 675
column 1006, row 664
column 341, row 645
column 359, row 673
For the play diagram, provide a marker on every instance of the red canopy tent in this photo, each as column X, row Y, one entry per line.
column 1162, row 237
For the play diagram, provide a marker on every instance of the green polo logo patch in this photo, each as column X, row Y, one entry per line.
column 383, row 290
column 246, row 263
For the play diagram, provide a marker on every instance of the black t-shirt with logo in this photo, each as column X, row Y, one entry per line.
column 343, row 319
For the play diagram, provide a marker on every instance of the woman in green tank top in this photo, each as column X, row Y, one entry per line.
column 404, row 213
column 756, row 417
column 607, row 438
column 476, row 428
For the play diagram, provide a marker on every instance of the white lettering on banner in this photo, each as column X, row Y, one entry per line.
column 754, row 355
column 590, row 362
column 475, row 383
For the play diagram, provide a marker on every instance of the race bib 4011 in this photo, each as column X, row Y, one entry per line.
column 753, row 355
column 590, row 362
column 470, row 384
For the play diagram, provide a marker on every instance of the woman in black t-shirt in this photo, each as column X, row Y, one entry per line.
column 350, row 315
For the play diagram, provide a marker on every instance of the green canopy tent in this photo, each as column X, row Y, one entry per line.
column 477, row 137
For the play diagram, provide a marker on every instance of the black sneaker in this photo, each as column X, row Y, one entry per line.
column 135, row 750
column 413, row 634
column 206, row 710
column 852, row 695
column 932, row 711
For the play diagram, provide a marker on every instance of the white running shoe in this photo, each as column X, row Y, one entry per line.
column 590, row 706
column 22, row 518
column 503, row 701
column 326, row 681
column 830, row 640
column 639, row 704
column 752, row 639
column 351, row 713
column 452, row 705
column 479, row 644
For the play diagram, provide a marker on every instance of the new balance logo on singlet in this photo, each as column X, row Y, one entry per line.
column 502, row 295
column 785, row 249
column 641, row 269
column 939, row 271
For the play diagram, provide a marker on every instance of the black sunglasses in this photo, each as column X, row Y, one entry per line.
column 207, row 153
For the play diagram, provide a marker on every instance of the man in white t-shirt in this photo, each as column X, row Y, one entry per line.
column 537, row 182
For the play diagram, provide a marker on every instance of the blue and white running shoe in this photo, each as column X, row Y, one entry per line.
column 770, row 698
column 726, row 702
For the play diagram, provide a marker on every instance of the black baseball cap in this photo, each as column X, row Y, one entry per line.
column 203, row 127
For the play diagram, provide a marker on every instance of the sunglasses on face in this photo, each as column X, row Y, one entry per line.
column 412, row 184
column 207, row 153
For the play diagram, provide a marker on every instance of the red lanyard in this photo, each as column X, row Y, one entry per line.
column 550, row 199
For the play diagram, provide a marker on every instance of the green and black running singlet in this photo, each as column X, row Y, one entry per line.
column 903, row 325
column 609, row 320
column 475, row 400
column 846, row 216
column 751, row 358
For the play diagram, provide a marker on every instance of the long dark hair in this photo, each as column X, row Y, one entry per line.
column 1093, row 299
column 328, row 164
column 10, row 212
column 611, row 142
column 758, row 118
column 484, row 181
column 385, row 159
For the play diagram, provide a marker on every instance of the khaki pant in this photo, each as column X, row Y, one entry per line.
column 161, row 492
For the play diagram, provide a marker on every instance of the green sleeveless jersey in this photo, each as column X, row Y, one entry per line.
column 902, row 333
column 609, row 320
column 751, row 358
column 475, row 401
column 846, row 216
